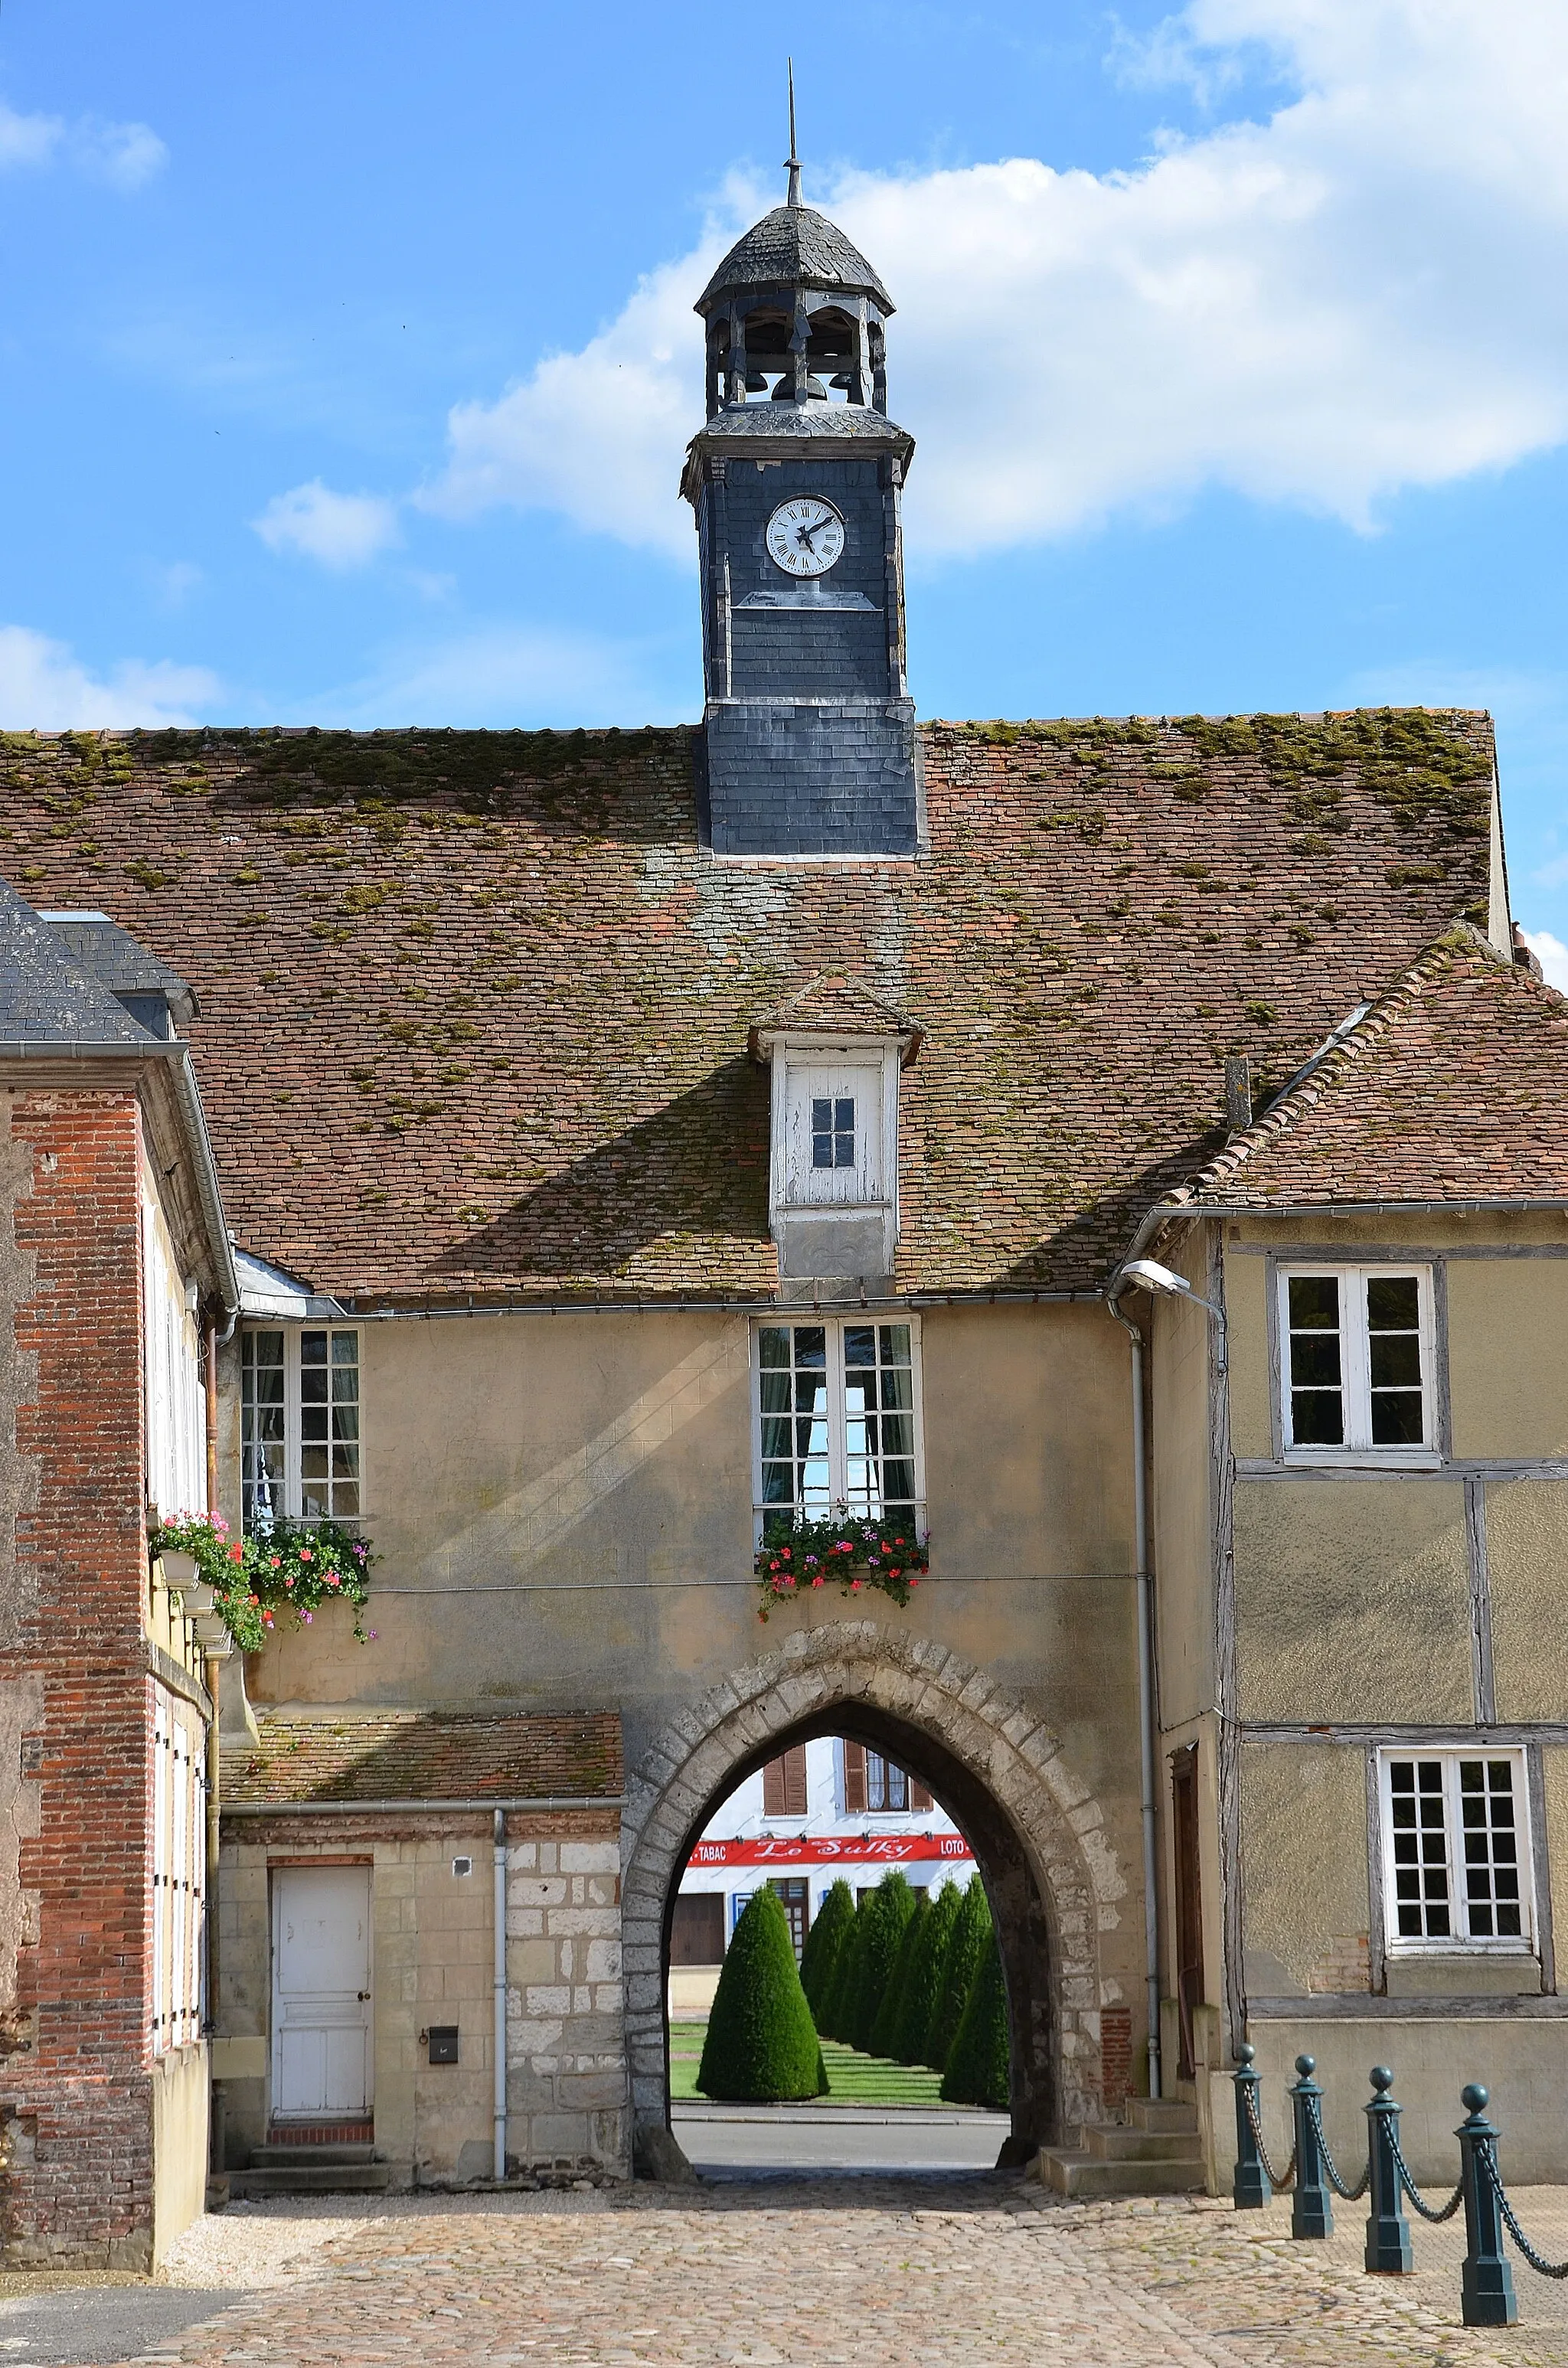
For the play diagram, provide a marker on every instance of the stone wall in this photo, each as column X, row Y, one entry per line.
column 568, row 2102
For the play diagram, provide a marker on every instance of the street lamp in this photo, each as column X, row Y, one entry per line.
column 1167, row 1284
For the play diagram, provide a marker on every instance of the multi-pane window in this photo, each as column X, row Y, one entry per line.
column 887, row 1786
column 836, row 1422
column 833, row 1131
column 1456, row 1846
column 1357, row 1358
column 299, row 1424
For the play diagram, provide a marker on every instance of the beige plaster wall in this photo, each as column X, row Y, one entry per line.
column 1180, row 1505
column 563, row 1509
column 1507, row 1378
column 180, row 2091
column 1527, row 1557
column 1246, row 1309
column 1304, row 1891
column 1352, row 1601
column 1523, row 2062
column 1554, row 1785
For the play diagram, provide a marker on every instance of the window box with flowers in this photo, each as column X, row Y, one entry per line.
column 855, row 1554
column 275, row 1578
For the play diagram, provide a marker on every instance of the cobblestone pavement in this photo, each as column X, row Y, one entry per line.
column 921, row 2273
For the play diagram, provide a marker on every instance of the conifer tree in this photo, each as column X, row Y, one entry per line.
column 762, row 2044
column 923, row 1981
column 887, row 1912
column 884, row 2030
column 971, row 1927
column 977, row 2071
column 838, row 1989
column 833, row 1919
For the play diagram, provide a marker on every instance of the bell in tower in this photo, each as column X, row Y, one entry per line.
column 809, row 737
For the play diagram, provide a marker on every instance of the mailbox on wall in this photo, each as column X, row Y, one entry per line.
column 442, row 2040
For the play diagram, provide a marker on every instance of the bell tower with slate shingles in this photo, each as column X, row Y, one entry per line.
column 809, row 746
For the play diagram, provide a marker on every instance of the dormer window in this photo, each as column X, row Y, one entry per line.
column 836, row 1053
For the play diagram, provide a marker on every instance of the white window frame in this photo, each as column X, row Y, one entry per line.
column 794, row 1318
column 1358, row 1446
column 293, row 1485
column 1452, row 1944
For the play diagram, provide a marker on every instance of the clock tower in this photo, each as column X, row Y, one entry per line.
column 808, row 740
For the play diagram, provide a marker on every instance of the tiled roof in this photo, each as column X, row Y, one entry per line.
column 1453, row 1086
column 475, row 1006
column 46, row 999
column 413, row 1756
column 113, row 957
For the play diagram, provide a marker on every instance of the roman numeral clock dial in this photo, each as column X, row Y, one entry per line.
column 805, row 536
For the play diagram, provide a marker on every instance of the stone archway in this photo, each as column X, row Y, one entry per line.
column 1040, row 1837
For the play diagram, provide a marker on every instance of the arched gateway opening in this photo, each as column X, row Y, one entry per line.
column 1052, row 1878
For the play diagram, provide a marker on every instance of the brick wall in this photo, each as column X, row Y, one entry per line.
column 75, row 2151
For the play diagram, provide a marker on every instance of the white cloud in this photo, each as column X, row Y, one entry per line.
column 1360, row 294
column 341, row 531
column 124, row 154
column 44, row 688
column 507, row 676
column 1552, row 954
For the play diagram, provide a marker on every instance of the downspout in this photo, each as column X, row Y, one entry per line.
column 499, row 2049
column 1147, row 1752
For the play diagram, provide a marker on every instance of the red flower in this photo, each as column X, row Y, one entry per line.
column 236, row 1554
column 305, row 1555
column 854, row 1586
column 253, row 1598
column 892, row 1574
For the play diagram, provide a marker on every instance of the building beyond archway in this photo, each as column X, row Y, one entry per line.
column 1052, row 1876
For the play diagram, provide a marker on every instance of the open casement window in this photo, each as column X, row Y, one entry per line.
column 837, row 1423
column 1456, row 1851
column 873, row 1783
column 300, row 1423
column 784, row 1784
column 1356, row 1361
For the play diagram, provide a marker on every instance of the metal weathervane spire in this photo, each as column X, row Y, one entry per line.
column 792, row 161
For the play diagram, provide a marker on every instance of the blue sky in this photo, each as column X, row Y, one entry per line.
column 347, row 354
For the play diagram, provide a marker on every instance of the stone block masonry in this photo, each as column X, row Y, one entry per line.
column 568, row 2097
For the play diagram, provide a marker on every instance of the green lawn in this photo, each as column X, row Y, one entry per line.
column 853, row 2079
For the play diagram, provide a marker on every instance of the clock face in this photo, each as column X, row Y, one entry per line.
column 805, row 536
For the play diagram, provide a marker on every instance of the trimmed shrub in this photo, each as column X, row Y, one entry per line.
column 887, row 1912
column 977, row 2070
column 884, row 2030
column 834, row 1918
column 971, row 1927
column 838, row 1989
column 922, row 1980
column 762, row 2044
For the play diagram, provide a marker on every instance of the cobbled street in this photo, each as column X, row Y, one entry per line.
column 914, row 2273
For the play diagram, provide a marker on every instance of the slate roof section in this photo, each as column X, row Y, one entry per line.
column 475, row 1006
column 46, row 999
column 117, row 961
column 1454, row 1087
column 415, row 1756
column 794, row 247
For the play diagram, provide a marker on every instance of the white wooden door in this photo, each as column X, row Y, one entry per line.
column 321, row 1989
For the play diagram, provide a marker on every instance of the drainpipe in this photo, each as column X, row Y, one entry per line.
column 1148, row 1756
column 499, row 2047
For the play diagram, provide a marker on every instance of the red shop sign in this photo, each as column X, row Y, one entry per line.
column 826, row 1850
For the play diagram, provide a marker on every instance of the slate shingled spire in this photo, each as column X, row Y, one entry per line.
column 809, row 730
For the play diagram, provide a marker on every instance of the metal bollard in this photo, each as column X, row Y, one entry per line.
column 1388, row 2230
column 1487, row 2286
column 1250, row 2188
column 1311, row 2208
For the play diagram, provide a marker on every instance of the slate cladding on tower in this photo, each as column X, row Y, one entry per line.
column 808, row 744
